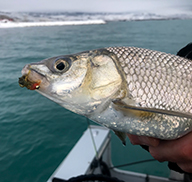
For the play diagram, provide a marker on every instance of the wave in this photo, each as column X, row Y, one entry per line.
column 9, row 24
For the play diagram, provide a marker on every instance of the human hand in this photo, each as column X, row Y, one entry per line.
column 178, row 151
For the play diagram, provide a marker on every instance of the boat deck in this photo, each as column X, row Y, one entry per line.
column 93, row 149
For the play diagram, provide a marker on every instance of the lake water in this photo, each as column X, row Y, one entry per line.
column 35, row 133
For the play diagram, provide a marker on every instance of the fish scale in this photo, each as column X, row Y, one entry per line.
column 156, row 79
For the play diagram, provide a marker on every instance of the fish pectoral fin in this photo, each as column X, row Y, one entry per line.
column 121, row 136
column 137, row 110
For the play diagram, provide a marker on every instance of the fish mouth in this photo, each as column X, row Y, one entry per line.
column 25, row 82
column 31, row 79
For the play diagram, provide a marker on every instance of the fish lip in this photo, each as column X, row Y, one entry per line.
column 27, row 68
column 31, row 69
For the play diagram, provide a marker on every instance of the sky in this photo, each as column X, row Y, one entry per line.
column 151, row 6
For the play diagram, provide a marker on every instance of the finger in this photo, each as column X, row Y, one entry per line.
column 187, row 166
column 179, row 150
column 143, row 140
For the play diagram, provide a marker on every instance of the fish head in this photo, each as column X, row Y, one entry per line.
column 83, row 83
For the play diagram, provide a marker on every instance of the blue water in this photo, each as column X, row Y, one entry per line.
column 35, row 133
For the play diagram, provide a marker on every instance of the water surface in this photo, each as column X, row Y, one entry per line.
column 35, row 133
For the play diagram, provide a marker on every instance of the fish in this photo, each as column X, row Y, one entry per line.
column 126, row 89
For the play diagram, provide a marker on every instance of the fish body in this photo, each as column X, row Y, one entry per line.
column 127, row 89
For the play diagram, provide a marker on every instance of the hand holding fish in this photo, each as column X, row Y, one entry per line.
column 143, row 140
column 178, row 151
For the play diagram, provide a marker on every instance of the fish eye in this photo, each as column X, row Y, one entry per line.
column 61, row 65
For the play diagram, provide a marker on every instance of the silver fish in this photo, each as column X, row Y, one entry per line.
column 127, row 89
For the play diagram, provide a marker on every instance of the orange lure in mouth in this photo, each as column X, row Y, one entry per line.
column 25, row 82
